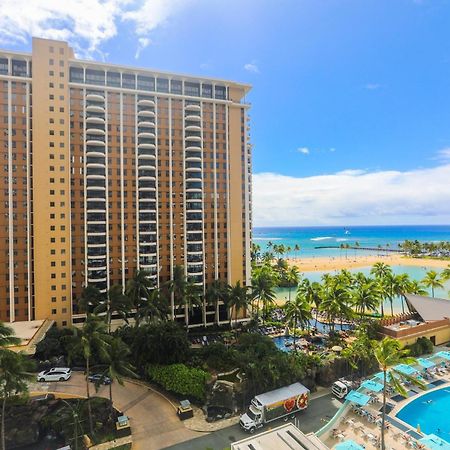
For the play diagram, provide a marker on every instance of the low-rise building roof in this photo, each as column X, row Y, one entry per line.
column 429, row 309
column 285, row 437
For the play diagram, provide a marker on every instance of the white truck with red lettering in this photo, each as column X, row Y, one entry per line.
column 283, row 402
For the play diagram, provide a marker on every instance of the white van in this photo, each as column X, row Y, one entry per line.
column 341, row 388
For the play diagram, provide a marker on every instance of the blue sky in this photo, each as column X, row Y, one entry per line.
column 350, row 100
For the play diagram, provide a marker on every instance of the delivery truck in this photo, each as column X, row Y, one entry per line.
column 283, row 402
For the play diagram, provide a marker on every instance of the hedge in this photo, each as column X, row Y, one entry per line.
column 180, row 379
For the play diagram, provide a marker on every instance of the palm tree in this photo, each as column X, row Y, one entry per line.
column 402, row 283
column 416, row 288
column 91, row 298
column 391, row 288
column 298, row 312
column 177, row 287
column 93, row 337
column 433, row 281
column 264, row 280
column 118, row 365
column 7, row 337
column 216, row 292
column 365, row 296
column 116, row 302
column 292, row 277
column 15, row 371
column 388, row 355
column 193, row 296
column 138, row 291
column 380, row 269
column 312, row 292
column 296, row 248
column 445, row 274
column 153, row 308
column 335, row 302
column 238, row 298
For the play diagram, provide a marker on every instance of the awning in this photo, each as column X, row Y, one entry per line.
column 434, row 442
column 425, row 363
column 443, row 354
column 358, row 398
column 349, row 445
column 405, row 369
column 380, row 376
column 372, row 385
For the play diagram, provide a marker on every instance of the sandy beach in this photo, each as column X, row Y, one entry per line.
column 320, row 263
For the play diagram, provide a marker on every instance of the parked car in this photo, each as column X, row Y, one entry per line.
column 55, row 374
column 98, row 378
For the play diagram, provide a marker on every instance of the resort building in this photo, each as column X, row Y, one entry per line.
column 428, row 317
column 284, row 437
column 108, row 170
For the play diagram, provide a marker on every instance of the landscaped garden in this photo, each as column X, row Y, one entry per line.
column 324, row 331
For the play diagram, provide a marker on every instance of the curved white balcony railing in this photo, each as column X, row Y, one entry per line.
column 95, row 119
column 94, row 131
column 95, row 97
column 95, row 108
column 193, row 138
column 95, row 142
column 192, row 108
column 146, row 102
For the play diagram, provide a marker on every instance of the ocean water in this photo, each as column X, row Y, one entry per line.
column 308, row 238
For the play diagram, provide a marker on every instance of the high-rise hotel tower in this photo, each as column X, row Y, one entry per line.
column 107, row 170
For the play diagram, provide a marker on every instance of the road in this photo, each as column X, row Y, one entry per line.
column 319, row 411
column 153, row 420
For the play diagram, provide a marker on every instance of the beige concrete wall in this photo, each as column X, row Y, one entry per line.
column 441, row 336
column 51, row 181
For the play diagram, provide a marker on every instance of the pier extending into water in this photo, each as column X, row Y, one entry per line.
column 353, row 247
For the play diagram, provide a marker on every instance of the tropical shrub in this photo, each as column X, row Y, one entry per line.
column 180, row 379
column 161, row 343
column 422, row 346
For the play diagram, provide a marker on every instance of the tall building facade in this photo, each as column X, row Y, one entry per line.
column 108, row 170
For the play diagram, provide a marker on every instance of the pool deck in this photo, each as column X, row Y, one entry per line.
column 400, row 434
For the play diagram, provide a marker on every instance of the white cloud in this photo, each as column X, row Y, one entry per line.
column 372, row 86
column 443, row 154
column 142, row 43
column 353, row 197
column 251, row 67
column 153, row 13
column 332, row 149
column 86, row 24
column 303, row 150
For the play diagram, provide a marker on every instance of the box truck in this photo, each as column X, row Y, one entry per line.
column 283, row 402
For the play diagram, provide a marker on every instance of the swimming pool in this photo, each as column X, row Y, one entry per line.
column 431, row 412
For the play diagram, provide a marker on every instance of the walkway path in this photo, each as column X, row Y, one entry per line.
column 154, row 422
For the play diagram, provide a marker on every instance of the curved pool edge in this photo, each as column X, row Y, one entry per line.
column 409, row 400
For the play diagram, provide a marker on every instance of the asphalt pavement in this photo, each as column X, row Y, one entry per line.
column 320, row 410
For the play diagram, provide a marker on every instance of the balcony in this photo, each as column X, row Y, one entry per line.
column 194, row 217
column 146, row 102
column 144, row 123
column 95, row 172
column 96, row 250
column 146, row 134
column 147, row 195
column 192, row 146
column 96, row 131
column 95, row 119
column 192, row 137
column 193, row 116
column 192, row 107
column 195, row 128
column 97, row 264
column 146, row 113
column 95, row 97
column 95, row 108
